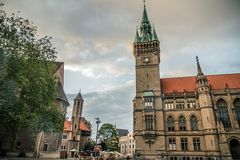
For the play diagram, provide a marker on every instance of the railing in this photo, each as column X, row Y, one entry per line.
column 220, row 91
column 232, row 130
column 226, row 90
column 235, row 90
column 175, row 94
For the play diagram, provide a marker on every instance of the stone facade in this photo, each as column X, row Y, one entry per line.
column 183, row 118
column 127, row 144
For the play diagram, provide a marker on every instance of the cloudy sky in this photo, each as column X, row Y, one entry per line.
column 94, row 40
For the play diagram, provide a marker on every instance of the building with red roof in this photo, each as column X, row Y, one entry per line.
column 196, row 117
column 75, row 132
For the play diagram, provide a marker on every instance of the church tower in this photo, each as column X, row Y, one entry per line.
column 76, row 116
column 148, row 112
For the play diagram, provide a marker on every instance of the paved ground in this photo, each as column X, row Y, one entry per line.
column 17, row 158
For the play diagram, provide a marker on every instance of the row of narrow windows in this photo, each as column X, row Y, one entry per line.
column 182, row 123
column 147, row 45
column 222, row 114
column 189, row 158
column 150, row 120
column 180, row 105
column 148, row 103
column 124, row 146
column 202, row 81
column 172, row 145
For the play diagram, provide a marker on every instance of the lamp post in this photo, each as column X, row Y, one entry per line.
column 97, row 122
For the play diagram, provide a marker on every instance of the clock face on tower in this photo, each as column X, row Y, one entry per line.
column 146, row 59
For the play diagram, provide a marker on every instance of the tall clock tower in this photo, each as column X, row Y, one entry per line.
column 147, row 105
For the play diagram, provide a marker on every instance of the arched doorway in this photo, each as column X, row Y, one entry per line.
column 235, row 149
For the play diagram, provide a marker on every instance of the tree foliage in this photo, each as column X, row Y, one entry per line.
column 108, row 135
column 89, row 146
column 27, row 82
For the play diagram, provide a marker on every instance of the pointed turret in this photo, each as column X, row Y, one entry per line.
column 79, row 96
column 201, row 79
column 155, row 37
column 199, row 67
column 137, row 38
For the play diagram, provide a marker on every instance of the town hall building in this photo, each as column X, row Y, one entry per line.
column 196, row 117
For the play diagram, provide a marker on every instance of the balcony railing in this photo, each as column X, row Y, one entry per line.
column 226, row 90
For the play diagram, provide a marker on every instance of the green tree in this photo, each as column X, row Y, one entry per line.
column 89, row 146
column 27, row 82
column 108, row 135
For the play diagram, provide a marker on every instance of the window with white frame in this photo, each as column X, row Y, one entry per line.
column 191, row 104
column 172, row 143
column 148, row 102
column 169, row 105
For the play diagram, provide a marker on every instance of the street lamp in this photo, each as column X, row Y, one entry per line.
column 97, row 122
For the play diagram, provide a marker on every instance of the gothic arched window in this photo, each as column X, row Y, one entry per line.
column 223, row 113
column 170, row 123
column 194, row 123
column 182, row 123
column 237, row 109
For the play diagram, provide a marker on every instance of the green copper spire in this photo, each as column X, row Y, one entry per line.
column 137, row 38
column 146, row 32
column 145, row 28
column 155, row 38
column 145, row 17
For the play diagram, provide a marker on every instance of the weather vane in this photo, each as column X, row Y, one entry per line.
column 144, row 1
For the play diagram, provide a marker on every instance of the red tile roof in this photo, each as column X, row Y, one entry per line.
column 82, row 126
column 67, row 125
column 179, row 84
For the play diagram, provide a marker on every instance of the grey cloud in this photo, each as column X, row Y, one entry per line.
column 95, row 37
column 112, row 106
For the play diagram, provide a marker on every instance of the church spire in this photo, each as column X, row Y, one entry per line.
column 137, row 38
column 145, row 28
column 145, row 17
column 155, row 37
column 198, row 67
column 145, row 33
column 79, row 95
